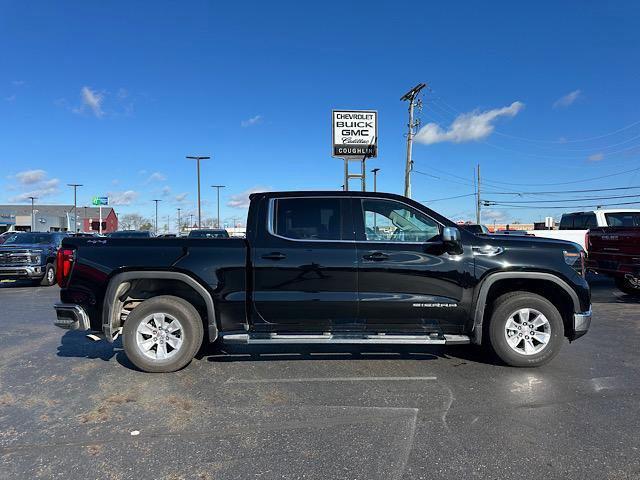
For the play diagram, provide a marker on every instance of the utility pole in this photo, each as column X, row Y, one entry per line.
column 33, row 220
column 218, row 187
column 84, row 219
column 156, row 226
column 478, row 201
column 179, row 224
column 190, row 220
column 75, row 208
column 375, row 177
column 197, row 159
column 168, row 224
column 410, row 96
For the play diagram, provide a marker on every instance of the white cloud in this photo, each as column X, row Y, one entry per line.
column 10, row 98
column 91, row 99
column 28, row 177
column 181, row 197
column 251, row 121
column 18, row 83
column 166, row 191
column 241, row 200
column 596, row 157
column 467, row 127
column 122, row 198
column 157, row 177
column 489, row 216
column 567, row 99
column 38, row 185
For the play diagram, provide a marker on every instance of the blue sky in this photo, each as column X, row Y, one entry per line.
column 113, row 95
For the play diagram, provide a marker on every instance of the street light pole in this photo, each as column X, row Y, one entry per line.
column 375, row 178
column 84, row 219
column 197, row 159
column 218, row 187
column 75, row 208
column 156, row 228
column 179, row 224
column 33, row 222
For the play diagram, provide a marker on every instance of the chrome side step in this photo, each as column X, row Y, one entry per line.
column 330, row 338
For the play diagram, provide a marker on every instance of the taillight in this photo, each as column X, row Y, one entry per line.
column 64, row 262
column 587, row 241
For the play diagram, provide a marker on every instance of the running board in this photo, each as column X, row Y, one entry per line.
column 329, row 338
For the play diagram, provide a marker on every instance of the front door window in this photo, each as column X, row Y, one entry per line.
column 389, row 221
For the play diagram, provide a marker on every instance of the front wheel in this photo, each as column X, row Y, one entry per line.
column 49, row 278
column 162, row 334
column 625, row 286
column 526, row 330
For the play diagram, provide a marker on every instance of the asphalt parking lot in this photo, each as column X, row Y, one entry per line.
column 76, row 409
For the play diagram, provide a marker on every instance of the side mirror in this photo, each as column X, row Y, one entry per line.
column 451, row 239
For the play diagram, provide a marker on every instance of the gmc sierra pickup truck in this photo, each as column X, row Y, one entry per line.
column 30, row 256
column 327, row 268
column 615, row 252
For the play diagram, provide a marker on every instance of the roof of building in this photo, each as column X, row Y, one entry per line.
column 54, row 210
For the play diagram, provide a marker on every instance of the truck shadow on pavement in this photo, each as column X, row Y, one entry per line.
column 75, row 343
column 252, row 353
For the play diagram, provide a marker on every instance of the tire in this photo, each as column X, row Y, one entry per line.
column 49, row 278
column 626, row 287
column 509, row 313
column 143, row 322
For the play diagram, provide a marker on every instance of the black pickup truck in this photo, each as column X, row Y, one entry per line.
column 327, row 268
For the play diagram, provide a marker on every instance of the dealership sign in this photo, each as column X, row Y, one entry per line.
column 355, row 133
column 100, row 200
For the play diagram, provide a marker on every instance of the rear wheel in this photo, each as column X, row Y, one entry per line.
column 526, row 330
column 625, row 286
column 49, row 276
column 162, row 334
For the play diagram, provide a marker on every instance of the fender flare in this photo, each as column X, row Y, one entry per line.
column 120, row 283
column 485, row 285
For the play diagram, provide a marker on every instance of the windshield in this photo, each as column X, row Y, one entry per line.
column 30, row 238
column 623, row 219
column 208, row 234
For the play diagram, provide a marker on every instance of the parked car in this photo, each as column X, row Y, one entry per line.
column 521, row 233
column 209, row 233
column 311, row 272
column 30, row 255
column 574, row 226
column 475, row 228
column 615, row 251
column 131, row 234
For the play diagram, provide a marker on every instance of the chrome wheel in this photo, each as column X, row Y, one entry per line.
column 51, row 275
column 527, row 331
column 159, row 336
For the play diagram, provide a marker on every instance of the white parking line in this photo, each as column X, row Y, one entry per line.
column 330, row 379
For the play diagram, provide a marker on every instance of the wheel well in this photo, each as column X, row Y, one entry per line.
column 545, row 288
column 145, row 288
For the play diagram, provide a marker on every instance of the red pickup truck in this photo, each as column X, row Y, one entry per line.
column 615, row 251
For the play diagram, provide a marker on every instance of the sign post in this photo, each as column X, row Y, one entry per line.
column 99, row 201
column 354, row 136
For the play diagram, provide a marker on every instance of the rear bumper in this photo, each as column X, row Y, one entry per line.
column 21, row 271
column 581, row 323
column 71, row 317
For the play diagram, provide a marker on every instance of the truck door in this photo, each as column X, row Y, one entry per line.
column 406, row 281
column 305, row 266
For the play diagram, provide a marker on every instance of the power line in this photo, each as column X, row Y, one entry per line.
column 569, row 199
column 566, row 183
column 447, row 198
column 568, row 191
column 597, row 205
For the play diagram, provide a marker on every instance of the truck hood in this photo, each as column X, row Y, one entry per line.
column 24, row 246
column 532, row 241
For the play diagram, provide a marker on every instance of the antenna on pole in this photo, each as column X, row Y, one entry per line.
column 410, row 96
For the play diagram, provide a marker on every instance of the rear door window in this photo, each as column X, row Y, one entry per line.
column 308, row 218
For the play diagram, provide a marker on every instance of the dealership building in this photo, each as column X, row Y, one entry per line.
column 56, row 218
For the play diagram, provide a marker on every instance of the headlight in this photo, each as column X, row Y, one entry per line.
column 576, row 261
column 35, row 255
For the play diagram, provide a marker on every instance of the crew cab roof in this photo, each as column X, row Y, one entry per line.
column 352, row 193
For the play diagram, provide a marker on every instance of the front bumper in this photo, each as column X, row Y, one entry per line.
column 581, row 323
column 23, row 271
column 71, row 317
